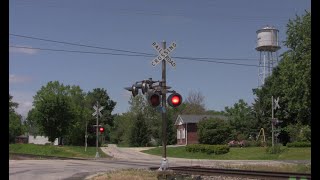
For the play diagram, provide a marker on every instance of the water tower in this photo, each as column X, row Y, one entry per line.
column 267, row 45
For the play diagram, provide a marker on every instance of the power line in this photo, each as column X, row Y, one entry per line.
column 119, row 54
column 73, row 51
column 133, row 52
column 76, row 44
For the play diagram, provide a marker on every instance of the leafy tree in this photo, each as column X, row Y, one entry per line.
column 213, row 131
column 241, row 119
column 121, row 131
column 107, row 119
column 299, row 132
column 16, row 128
column 140, row 133
column 53, row 111
column 76, row 132
column 12, row 105
column 31, row 122
column 290, row 80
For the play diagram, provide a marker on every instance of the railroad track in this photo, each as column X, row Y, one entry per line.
column 205, row 171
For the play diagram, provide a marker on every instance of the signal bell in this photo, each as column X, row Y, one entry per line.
column 174, row 100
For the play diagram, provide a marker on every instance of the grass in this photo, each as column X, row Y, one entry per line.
column 132, row 174
column 247, row 153
column 298, row 168
column 59, row 151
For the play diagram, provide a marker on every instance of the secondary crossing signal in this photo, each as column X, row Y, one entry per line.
column 174, row 100
column 101, row 129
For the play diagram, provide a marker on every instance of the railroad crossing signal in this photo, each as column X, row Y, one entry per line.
column 97, row 112
column 276, row 103
column 163, row 54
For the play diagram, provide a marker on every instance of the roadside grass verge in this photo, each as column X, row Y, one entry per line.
column 58, row 151
column 133, row 174
column 247, row 153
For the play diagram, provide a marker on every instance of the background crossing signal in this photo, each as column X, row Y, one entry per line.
column 174, row 100
column 101, row 129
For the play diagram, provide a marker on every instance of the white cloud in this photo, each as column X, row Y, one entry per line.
column 26, row 50
column 14, row 79
column 24, row 99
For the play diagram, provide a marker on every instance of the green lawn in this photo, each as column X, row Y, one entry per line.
column 247, row 153
column 50, row 150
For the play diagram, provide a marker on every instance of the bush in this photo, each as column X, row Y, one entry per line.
column 209, row 149
column 299, row 144
column 276, row 149
column 213, row 131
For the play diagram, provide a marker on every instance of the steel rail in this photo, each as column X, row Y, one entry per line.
column 206, row 171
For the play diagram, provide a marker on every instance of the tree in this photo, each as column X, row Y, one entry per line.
column 140, row 133
column 139, row 106
column 16, row 128
column 241, row 119
column 194, row 103
column 12, row 105
column 290, row 80
column 53, row 111
column 107, row 120
column 213, row 131
column 121, row 131
column 76, row 132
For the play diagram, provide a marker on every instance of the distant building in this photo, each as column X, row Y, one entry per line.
column 187, row 127
column 40, row 140
column 22, row 139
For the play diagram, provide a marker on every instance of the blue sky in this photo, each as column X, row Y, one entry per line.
column 207, row 28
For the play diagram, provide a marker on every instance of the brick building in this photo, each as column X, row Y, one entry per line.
column 187, row 127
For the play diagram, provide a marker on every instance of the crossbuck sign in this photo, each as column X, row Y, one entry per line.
column 97, row 111
column 163, row 54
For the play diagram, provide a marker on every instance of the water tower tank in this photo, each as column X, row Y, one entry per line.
column 268, row 39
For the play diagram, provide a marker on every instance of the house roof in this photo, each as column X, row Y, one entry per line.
column 183, row 119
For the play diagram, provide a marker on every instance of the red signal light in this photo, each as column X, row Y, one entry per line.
column 174, row 99
column 101, row 129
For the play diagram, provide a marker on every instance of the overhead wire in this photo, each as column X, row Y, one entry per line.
column 120, row 50
column 121, row 54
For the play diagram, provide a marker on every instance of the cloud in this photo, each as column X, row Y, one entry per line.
column 24, row 99
column 14, row 79
column 26, row 50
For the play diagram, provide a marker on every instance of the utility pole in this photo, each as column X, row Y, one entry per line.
column 97, row 141
column 164, row 112
column 97, row 113
column 272, row 122
column 275, row 105
column 86, row 137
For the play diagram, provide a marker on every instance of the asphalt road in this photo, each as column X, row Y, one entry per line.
column 123, row 158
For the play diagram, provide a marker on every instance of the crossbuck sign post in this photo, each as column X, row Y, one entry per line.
column 164, row 57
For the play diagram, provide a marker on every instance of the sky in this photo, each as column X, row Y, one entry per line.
column 223, row 31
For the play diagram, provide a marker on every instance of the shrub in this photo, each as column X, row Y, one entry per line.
column 209, row 149
column 299, row 144
column 276, row 149
column 213, row 131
